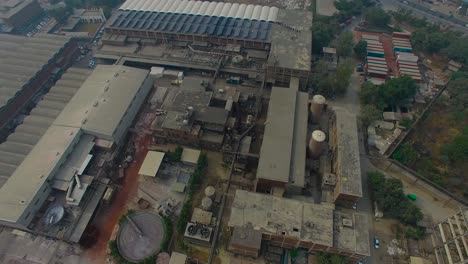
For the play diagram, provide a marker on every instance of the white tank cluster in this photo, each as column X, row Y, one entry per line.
column 316, row 143
column 316, row 108
column 210, row 191
column 206, row 203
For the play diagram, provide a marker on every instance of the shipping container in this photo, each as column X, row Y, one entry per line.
column 406, row 65
column 400, row 39
column 373, row 37
column 376, row 54
column 380, row 63
column 374, row 45
column 401, row 42
column 403, row 35
column 377, row 68
column 402, row 49
column 376, row 59
column 376, row 74
column 415, row 71
column 407, row 58
column 375, row 49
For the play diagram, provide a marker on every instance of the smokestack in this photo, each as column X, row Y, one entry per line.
column 316, row 143
column 316, row 108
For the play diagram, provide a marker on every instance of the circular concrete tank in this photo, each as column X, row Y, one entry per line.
column 316, row 143
column 210, row 191
column 140, row 236
column 206, row 203
column 316, row 108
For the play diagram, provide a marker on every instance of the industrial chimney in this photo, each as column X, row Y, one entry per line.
column 316, row 143
column 316, row 108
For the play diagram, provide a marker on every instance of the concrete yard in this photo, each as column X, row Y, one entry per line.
column 326, row 7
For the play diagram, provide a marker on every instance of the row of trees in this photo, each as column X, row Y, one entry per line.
column 328, row 258
column 430, row 39
column 331, row 83
column 389, row 196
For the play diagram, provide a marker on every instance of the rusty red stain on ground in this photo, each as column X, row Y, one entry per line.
column 107, row 219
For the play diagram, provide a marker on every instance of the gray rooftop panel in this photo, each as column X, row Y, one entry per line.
column 276, row 150
column 15, row 57
column 349, row 166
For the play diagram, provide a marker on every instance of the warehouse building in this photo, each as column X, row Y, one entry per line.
column 18, row 13
column 55, row 160
column 198, row 34
column 282, row 163
column 282, row 222
column 26, row 65
column 345, row 161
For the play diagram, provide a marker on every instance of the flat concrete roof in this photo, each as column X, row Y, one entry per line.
column 178, row 258
column 283, row 151
column 8, row 8
column 21, row 58
column 190, row 155
column 100, row 104
column 349, row 165
column 35, row 170
column 151, row 163
column 290, row 48
column 278, row 215
column 353, row 237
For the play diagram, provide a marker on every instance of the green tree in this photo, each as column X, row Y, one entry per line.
column 399, row 90
column 458, row 50
column 369, row 114
column 405, row 154
column 371, row 95
column 328, row 258
column 458, row 90
column 344, row 44
column 377, row 17
column 323, row 30
column 360, row 49
column 457, row 150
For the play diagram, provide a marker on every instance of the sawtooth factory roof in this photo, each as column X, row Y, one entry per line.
column 197, row 17
column 22, row 58
column 203, row 8
column 18, row 145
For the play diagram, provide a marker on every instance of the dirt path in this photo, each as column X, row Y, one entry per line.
column 109, row 218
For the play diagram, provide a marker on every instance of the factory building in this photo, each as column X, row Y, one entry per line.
column 18, row 13
column 345, row 162
column 26, row 65
column 54, row 163
column 199, row 34
column 187, row 117
column 287, row 223
column 282, row 163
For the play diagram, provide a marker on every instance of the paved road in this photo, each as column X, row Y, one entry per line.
column 394, row 5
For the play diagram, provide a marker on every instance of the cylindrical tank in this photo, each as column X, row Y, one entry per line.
column 316, row 143
column 206, row 203
column 210, row 191
column 316, row 108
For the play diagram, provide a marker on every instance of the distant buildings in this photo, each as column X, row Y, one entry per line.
column 15, row 14
column 26, row 65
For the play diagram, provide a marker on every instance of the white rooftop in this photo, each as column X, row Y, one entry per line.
column 103, row 99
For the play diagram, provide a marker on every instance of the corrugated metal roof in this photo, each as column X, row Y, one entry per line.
column 203, row 8
column 23, row 58
column 227, row 27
